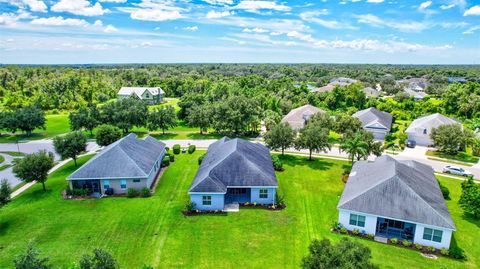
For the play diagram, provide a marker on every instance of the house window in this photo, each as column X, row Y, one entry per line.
column 136, row 180
column 123, row 184
column 263, row 194
column 206, row 200
column 432, row 235
column 357, row 220
column 396, row 224
column 106, row 184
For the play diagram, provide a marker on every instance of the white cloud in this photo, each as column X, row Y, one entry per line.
column 472, row 30
column 473, row 11
column 98, row 23
column 444, row 7
column 113, row 1
column 59, row 21
column 255, row 30
column 149, row 10
column 33, row 5
column 191, row 28
column 312, row 16
column 146, row 44
column 215, row 15
column 110, row 29
column 79, row 7
column 219, row 2
column 425, row 5
column 375, row 1
column 375, row 21
column 255, row 6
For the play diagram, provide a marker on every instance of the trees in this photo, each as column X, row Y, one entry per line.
column 314, row 138
column 34, row 166
column 281, row 136
column 200, row 116
column 125, row 113
column 236, row 114
column 346, row 254
column 26, row 119
column 271, row 118
column 70, row 145
column 100, row 259
column 450, row 138
column 5, row 191
column 107, row 134
column 31, row 259
column 346, row 124
column 85, row 118
column 356, row 147
column 470, row 198
column 163, row 118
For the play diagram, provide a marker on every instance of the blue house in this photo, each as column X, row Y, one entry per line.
column 234, row 171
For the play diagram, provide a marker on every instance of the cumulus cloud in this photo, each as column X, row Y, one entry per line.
column 98, row 23
column 113, row 1
column 79, row 7
column 219, row 2
column 254, row 30
column 375, row 1
column 472, row 30
column 445, row 7
column 425, row 5
column 149, row 10
column 33, row 5
column 110, row 29
column 473, row 11
column 255, row 6
column 191, row 28
column 212, row 14
column 59, row 21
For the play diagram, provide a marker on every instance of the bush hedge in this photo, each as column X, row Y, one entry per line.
column 132, row 192
column 166, row 161
column 191, row 149
column 176, row 149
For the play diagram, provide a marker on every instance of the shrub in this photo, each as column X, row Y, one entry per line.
column 167, row 149
column 394, row 241
column 370, row 236
column 145, row 192
column 355, row 232
column 166, row 161
column 431, row 249
column 171, row 158
column 190, row 206
column 418, row 246
column 444, row 251
column 277, row 163
column 457, row 253
column 191, row 149
column 445, row 191
column 176, row 149
column 279, row 199
column 406, row 243
column 335, row 225
column 200, row 159
column 343, row 230
column 132, row 192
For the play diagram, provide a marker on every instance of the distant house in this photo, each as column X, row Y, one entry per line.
column 127, row 163
column 371, row 92
column 456, row 79
column 298, row 117
column 341, row 81
column 414, row 84
column 326, row 88
column 234, row 171
column 421, row 128
column 417, row 95
column 396, row 199
column 151, row 95
column 375, row 121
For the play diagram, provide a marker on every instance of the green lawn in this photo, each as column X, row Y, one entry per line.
column 14, row 153
column 2, row 159
column 461, row 156
column 153, row 231
column 55, row 125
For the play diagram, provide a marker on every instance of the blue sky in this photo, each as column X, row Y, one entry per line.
column 169, row 31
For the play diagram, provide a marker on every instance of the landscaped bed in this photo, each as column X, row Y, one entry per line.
column 153, row 230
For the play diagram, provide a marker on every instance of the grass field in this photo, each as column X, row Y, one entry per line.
column 153, row 231
column 55, row 125
column 461, row 156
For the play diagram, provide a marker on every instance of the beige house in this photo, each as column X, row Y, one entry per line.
column 151, row 95
column 298, row 117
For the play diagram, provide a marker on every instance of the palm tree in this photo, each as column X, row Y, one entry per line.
column 356, row 147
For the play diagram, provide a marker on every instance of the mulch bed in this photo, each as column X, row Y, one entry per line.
column 203, row 212
column 268, row 207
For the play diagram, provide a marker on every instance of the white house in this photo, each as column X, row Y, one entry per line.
column 375, row 121
column 151, row 95
column 421, row 128
column 396, row 199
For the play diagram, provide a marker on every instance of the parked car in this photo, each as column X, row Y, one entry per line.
column 411, row 144
column 456, row 171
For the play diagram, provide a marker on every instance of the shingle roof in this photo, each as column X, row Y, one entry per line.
column 343, row 81
column 429, row 122
column 234, row 162
column 369, row 91
column 140, row 90
column 128, row 157
column 372, row 116
column 403, row 190
column 296, row 117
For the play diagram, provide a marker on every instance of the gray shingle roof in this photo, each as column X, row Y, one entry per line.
column 234, row 162
column 128, row 157
column 403, row 190
column 429, row 122
column 296, row 117
column 371, row 116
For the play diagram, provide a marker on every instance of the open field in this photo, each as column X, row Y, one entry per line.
column 153, row 231
column 55, row 125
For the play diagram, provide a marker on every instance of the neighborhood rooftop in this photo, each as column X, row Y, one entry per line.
column 403, row 190
column 372, row 116
column 429, row 122
column 297, row 117
column 234, row 163
column 128, row 157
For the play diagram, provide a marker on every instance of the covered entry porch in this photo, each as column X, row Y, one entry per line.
column 390, row 228
column 238, row 195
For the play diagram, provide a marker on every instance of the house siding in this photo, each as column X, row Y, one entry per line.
column 218, row 201
column 156, row 168
column 446, row 237
column 255, row 196
column 115, row 184
column 378, row 134
column 370, row 221
column 421, row 139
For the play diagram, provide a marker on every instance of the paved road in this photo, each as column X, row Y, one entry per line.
column 31, row 147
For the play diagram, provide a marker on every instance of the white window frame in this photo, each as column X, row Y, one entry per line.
column 106, row 184
column 206, row 200
column 265, row 193
column 122, row 185
column 432, row 235
column 356, row 220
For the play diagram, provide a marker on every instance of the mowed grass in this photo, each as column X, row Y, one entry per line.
column 54, row 125
column 461, row 156
column 153, row 231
